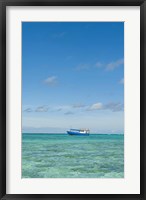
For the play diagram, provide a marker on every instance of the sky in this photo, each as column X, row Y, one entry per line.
column 72, row 76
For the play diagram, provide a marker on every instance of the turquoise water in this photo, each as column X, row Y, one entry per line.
column 64, row 156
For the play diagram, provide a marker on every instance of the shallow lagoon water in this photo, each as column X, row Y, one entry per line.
column 64, row 156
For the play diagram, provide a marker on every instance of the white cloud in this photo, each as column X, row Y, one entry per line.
column 59, row 35
column 114, row 107
column 28, row 110
column 113, row 65
column 69, row 113
column 62, row 107
column 78, row 105
column 51, row 80
column 98, row 64
column 42, row 109
column 59, row 109
column 96, row 106
column 109, row 66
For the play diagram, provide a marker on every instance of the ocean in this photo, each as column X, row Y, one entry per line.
column 64, row 156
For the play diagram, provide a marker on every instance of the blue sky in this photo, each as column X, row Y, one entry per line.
column 73, row 76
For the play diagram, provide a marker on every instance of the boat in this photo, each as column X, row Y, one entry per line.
column 83, row 132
